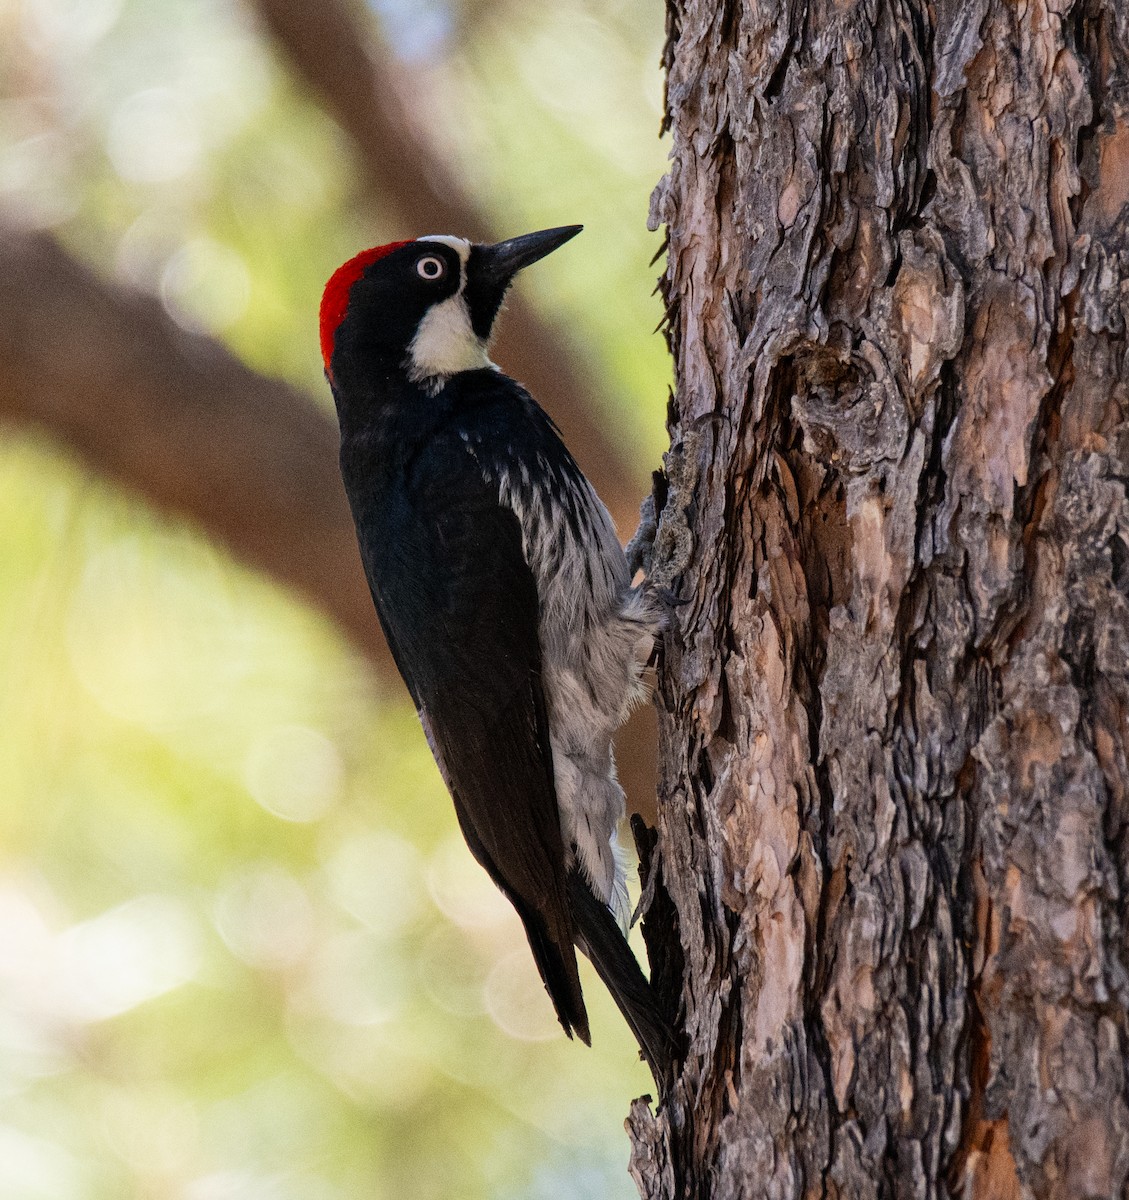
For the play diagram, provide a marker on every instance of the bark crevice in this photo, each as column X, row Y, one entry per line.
column 897, row 272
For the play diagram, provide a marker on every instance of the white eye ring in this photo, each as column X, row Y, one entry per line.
column 430, row 268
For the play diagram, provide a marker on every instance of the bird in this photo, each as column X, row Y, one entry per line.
column 503, row 593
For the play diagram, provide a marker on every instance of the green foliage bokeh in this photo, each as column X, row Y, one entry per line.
column 245, row 955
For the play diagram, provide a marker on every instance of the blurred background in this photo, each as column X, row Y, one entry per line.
column 244, row 954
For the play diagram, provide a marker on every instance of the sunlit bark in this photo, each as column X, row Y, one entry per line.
column 893, row 792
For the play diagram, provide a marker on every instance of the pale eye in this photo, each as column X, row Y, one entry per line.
column 431, row 267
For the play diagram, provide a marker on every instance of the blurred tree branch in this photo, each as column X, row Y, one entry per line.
column 364, row 90
column 178, row 418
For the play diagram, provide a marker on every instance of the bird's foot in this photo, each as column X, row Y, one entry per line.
column 640, row 549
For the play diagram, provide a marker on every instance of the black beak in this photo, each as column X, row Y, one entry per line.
column 499, row 263
column 491, row 268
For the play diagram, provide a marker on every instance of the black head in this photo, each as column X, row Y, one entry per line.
column 425, row 307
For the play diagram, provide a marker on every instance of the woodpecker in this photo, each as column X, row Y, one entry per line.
column 503, row 593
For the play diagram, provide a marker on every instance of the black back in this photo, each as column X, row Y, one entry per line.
column 458, row 604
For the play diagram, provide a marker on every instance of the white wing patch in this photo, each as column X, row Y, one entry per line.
column 595, row 632
column 445, row 342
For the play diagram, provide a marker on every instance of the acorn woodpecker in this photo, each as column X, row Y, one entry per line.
column 503, row 593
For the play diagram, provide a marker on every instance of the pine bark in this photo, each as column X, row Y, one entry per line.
column 894, row 785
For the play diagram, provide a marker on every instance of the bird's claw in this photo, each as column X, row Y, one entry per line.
column 640, row 548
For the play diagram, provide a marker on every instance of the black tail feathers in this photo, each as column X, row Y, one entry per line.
column 556, row 963
column 599, row 937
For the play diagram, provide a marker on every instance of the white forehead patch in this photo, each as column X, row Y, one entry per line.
column 460, row 245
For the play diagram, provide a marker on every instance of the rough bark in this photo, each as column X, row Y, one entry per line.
column 893, row 793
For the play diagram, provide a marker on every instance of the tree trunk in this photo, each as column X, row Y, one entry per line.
column 894, row 783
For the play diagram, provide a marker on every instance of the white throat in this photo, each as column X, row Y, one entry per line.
column 445, row 342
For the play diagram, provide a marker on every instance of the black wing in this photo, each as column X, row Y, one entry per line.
column 458, row 604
